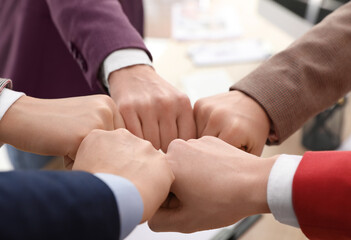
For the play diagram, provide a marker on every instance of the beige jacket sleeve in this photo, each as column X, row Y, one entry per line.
column 306, row 78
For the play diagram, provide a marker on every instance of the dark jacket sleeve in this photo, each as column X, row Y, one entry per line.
column 56, row 205
column 93, row 29
column 308, row 77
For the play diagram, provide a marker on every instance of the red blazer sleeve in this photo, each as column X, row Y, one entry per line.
column 93, row 29
column 322, row 195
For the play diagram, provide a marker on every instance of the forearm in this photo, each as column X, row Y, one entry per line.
column 303, row 80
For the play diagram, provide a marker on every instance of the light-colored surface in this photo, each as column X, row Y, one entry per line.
column 5, row 164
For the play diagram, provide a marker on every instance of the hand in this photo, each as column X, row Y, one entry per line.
column 121, row 153
column 235, row 118
column 152, row 108
column 57, row 127
column 216, row 185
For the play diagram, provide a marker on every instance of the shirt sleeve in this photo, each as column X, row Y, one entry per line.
column 129, row 202
column 121, row 59
column 7, row 98
column 279, row 189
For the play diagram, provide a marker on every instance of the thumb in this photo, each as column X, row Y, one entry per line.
column 167, row 220
column 168, row 216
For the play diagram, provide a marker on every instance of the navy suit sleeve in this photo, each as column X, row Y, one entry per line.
column 56, row 205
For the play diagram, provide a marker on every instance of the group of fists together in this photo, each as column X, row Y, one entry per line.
column 196, row 167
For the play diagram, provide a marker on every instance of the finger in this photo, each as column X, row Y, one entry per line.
column 186, row 125
column 210, row 130
column 68, row 163
column 200, row 117
column 166, row 220
column 151, row 129
column 235, row 139
column 133, row 123
column 168, row 132
column 118, row 120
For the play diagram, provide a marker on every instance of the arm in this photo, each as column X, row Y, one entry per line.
column 97, row 32
column 316, row 197
column 77, row 205
column 53, row 127
column 275, row 100
column 309, row 76
column 321, row 195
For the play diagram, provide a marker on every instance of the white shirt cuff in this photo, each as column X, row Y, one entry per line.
column 121, row 59
column 129, row 202
column 279, row 189
column 7, row 98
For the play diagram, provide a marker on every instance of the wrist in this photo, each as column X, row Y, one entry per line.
column 255, row 107
column 123, row 74
column 258, row 188
column 11, row 120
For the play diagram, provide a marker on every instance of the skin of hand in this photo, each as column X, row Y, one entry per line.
column 216, row 185
column 121, row 153
column 235, row 118
column 57, row 126
column 152, row 108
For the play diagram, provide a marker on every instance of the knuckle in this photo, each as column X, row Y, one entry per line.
column 198, row 105
column 236, row 126
column 206, row 138
column 105, row 100
column 183, row 100
column 122, row 131
column 95, row 133
column 214, row 119
column 126, row 107
column 163, row 102
column 203, row 107
column 176, row 144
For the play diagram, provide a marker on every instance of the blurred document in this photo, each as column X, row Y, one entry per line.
column 240, row 51
column 193, row 22
column 206, row 83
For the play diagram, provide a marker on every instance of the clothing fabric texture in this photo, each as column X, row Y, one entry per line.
column 306, row 78
column 293, row 86
column 54, row 49
column 322, row 193
column 55, row 205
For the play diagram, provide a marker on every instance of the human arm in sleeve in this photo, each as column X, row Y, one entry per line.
column 311, row 191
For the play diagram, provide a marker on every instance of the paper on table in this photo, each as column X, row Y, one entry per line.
column 191, row 22
column 206, row 83
column 239, row 51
